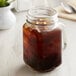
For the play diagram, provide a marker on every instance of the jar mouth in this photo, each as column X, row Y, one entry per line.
column 42, row 12
column 40, row 15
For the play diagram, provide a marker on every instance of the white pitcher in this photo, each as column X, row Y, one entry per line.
column 7, row 18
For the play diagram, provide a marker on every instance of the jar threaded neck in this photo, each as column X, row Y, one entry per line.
column 42, row 15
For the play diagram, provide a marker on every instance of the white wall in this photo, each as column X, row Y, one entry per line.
column 23, row 4
column 54, row 3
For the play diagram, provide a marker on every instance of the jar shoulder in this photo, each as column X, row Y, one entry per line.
column 60, row 26
column 56, row 26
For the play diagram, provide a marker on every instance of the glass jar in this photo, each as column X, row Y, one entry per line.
column 42, row 39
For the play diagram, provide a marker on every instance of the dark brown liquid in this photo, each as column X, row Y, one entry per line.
column 42, row 50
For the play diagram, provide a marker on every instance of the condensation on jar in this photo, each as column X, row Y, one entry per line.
column 42, row 39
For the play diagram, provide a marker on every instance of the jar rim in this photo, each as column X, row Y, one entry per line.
column 38, row 12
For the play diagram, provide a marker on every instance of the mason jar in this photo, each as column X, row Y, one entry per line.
column 42, row 39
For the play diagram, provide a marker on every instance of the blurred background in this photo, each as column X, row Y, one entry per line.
column 21, row 5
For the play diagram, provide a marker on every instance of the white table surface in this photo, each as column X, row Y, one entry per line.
column 11, row 60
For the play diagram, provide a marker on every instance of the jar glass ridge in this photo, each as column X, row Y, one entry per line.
column 42, row 12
